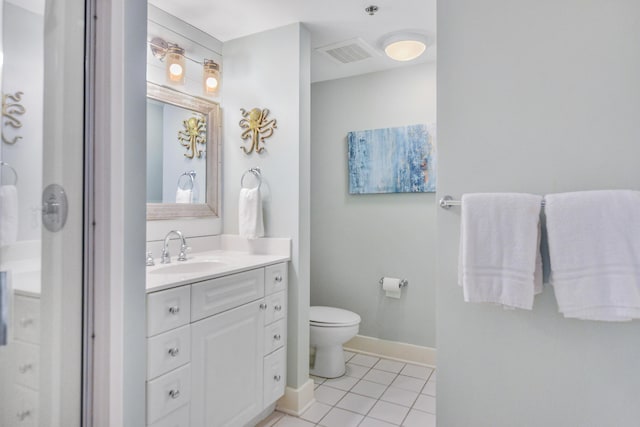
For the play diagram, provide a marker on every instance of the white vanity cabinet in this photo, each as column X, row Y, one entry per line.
column 226, row 363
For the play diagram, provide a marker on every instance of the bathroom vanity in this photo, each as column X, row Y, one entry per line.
column 216, row 339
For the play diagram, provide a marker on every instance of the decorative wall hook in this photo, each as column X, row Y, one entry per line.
column 256, row 126
column 10, row 111
column 194, row 133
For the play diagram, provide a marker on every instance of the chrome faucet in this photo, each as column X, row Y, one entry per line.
column 165, row 257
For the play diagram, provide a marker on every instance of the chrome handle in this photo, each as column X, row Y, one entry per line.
column 23, row 414
column 150, row 262
column 278, row 278
column 277, row 337
column 4, row 307
column 174, row 309
column 173, row 352
column 24, row 368
column 174, row 394
column 263, row 306
column 277, row 307
column 277, row 377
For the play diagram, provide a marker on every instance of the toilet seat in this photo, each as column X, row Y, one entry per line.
column 331, row 317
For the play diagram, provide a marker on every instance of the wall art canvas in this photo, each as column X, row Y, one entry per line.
column 393, row 160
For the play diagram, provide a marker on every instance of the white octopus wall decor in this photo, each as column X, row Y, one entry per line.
column 256, row 126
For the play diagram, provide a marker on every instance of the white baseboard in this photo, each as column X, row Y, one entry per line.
column 297, row 400
column 392, row 350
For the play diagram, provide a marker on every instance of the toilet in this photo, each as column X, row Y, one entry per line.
column 330, row 327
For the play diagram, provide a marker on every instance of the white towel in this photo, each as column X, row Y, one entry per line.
column 184, row 196
column 500, row 249
column 250, row 213
column 594, row 250
column 8, row 214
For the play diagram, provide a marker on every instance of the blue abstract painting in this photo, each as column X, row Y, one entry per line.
column 393, row 160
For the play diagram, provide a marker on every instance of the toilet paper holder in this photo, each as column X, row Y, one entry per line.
column 403, row 283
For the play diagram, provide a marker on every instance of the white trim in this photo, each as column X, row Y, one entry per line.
column 392, row 350
column 297, row 400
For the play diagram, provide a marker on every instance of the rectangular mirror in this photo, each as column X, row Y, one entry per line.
column 183, row 173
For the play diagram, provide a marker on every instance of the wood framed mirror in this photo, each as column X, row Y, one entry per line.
column 183, row 155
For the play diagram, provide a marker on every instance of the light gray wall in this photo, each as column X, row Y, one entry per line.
column 154, row 152
column 534, row 97
column 356, row 239
column 271, row 70
column 23, row 71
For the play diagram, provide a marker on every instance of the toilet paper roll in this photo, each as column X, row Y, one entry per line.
column 391, row 287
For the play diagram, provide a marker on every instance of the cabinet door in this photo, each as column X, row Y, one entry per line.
column 227, row 364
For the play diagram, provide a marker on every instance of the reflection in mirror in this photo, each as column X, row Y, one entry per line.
column 182, row 154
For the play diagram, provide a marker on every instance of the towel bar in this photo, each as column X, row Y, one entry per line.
column 256, row 172
column 447, row 201
column 15, row 174
column 192, row 179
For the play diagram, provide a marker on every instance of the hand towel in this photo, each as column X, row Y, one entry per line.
column 250, row 213
column 500, row 249
column 8, row 214
column 594, row 251
column 184, row 196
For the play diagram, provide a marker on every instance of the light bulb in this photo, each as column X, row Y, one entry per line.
column 405, row 50
column 210, row 77
column 175, row 65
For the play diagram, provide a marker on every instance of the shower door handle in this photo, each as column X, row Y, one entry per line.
column 4, row 307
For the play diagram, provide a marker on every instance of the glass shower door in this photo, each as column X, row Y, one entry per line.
column 41, row 212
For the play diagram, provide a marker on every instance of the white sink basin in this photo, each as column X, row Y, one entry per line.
column 189, row 267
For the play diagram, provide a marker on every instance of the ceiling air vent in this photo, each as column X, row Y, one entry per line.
column 348, row 51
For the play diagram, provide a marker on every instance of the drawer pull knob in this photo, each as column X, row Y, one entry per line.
column 278, row 278
column 174, row 309
column 173, row 352
column 277, row 378
column 263, row 306
column 277, row 307
column 23, row 414
column 24, row 368
column 277, row 337
column 26, row 322
column 174, row 394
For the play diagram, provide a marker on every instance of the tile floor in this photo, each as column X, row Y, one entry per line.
column 375, row 392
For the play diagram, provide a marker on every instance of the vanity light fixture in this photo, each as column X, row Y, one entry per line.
column 175, row 64
column 404, row 46
column 210, row 77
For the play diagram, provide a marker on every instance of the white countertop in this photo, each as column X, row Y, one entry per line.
column 222, row 263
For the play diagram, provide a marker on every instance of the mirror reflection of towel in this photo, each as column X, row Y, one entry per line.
column 8, row 214
column 184, row 196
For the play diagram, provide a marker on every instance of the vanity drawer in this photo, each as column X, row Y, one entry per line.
column 26, row 319
column 168, row 310
column 178, row 418
column 25, row 407
column 276, row 307
column 167, row 393
column 275, row 336
column 168, row 351
column 275, row 278
column 218, row 295
column 275, row 376
column 26, row 364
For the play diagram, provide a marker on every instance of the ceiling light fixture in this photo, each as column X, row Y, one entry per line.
column 404, row 46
